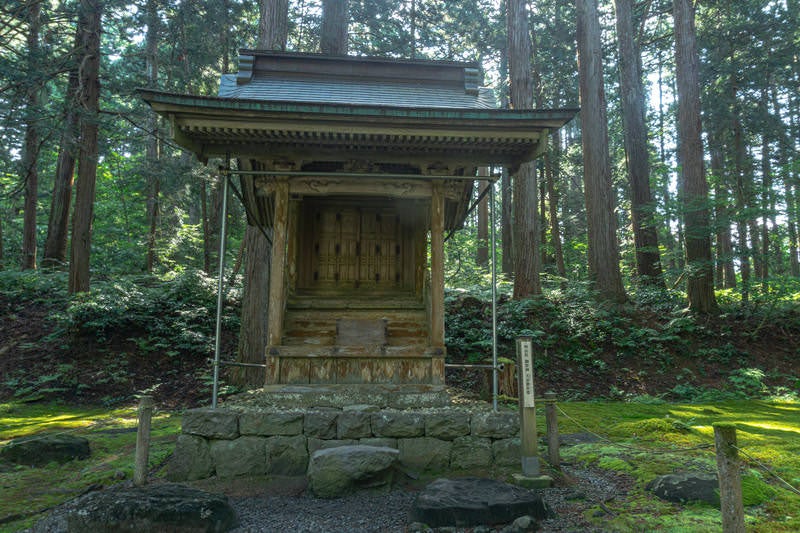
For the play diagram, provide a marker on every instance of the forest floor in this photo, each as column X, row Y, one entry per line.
column 104, row 355
column 618, row 356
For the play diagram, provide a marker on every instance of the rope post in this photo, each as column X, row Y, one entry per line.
column 143, row 442
column 730, row 483
column 551, row 416
column 527, row 407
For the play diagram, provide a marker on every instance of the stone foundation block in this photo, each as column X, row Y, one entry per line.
column 321, row 424
column 447, row 425
column 398, row 424
column 191, row 459
column 211, row 423
column 501, row 425
column 354, row 425
column 269, row 424
column 245, row 456
column 287, row 455
column 506, row 452
column 424, row 453
column 471, row 452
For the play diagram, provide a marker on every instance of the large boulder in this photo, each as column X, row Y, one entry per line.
column 470, row 502
column 337, row 471
column 150, row 509
column 43, row 449
column 683, row 487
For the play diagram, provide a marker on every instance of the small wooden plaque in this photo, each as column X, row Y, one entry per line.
column 360, row 332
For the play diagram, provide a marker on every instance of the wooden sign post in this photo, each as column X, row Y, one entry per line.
column 527, row 407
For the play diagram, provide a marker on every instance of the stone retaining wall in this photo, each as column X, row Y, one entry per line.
column 229, row 443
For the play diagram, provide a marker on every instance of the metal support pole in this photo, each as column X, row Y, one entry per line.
column 218, row 339
column 495, row 386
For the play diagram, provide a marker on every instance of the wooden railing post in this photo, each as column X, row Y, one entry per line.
column 143, row 441
column 730, row 483
column 551, row 416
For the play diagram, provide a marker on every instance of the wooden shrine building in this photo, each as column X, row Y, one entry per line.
column 357, row 168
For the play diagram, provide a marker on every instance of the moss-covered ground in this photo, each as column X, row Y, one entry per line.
column 26, row 492
column 639, row 440
column 644, row 440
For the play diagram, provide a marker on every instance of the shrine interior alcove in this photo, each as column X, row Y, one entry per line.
column 356, row 168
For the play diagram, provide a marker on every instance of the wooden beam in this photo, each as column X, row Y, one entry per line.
column 437, row 266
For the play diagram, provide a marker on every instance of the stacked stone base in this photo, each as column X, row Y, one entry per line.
column 243, row 442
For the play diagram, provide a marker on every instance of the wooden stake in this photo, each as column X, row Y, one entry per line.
column 730, row 483
column 143, row 442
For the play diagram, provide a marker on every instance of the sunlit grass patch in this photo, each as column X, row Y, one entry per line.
column 25, row 491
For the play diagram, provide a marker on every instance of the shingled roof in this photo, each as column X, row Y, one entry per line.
column 333, row 108
column 313, row 78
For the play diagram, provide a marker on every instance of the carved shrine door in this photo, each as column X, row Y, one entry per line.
column 351, row 246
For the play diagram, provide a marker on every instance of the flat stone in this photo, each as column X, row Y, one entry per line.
column 447, row 425
column 43, row 449
column 354, row 425
column 571, row 439
column 338, row 471
column 469, row 502
column 271, row 423
column 286, row 455
column 684, row 487
column 149, row 509
column 399, row 424
column 500, row 425
column 321, row 423
column 506, row 452
column 471, row 452
column 425, row 454
column 211, row 423
column 191, row 459
column 245, row 456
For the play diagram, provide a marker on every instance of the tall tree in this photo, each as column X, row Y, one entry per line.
column 273, row 34
column 694, row 188
column 30, row 158
column 55, row 246
column 152, row 149
column 527, row 260
column 89, row 22
column 599, row 193
column 645, row 237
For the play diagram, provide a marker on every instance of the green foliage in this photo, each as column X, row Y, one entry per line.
column 176, row 314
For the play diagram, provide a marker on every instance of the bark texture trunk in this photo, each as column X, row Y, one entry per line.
column 333, row 34
column 645, row 237
column 90, row 11
column 31, row 157
column 525, row 229
column 700, row 273
column 55, row 246
column 599, row 193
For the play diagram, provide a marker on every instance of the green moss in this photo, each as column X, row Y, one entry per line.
column 755, row 491
column 614, row 463
column 653, row 427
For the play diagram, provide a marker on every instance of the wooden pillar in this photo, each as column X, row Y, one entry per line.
column 277, row 280
column 437, row 265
